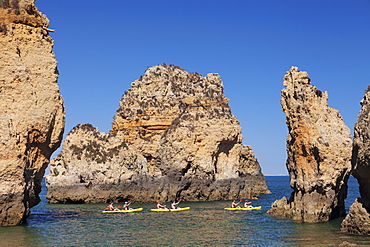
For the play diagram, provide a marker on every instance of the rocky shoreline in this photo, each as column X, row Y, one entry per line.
column 173, row 136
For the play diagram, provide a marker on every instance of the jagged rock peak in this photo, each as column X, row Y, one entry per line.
column 358, row 219
column 319, row 151
column 21, row 12
column 162, row 95
column 173, row 135
column 294, row 76
column 165, row 71
column 32, row 108
column 167, row 86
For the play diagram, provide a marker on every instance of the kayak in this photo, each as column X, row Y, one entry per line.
column 169, row 209
column 123, row 211
column 252, row 208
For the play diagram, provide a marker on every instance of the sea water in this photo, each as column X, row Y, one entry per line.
column 205, row 224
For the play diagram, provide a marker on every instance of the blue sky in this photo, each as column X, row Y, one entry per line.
column 103, row 46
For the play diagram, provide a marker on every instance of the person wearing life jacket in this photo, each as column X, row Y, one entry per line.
column 159, row 205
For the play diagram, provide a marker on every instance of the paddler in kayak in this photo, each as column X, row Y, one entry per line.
column 234, row 204
column 159, row 205
column 247, row 204
column 126, row 206
column 174, row 204
column 111, row 207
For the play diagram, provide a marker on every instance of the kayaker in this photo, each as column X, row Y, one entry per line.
column 235, row 204
column 159, row 205
column 247, row 204
column 174, row 204
column 126, row 206
column 111, row 207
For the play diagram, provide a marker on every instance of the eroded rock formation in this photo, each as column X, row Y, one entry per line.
column 319, row 151
column 32, row 112
column 173, row 136
column 358, row 219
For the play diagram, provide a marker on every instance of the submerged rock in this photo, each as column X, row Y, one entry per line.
column 358, row 219
column 32, row 112
column 173, row 136
column 319, row 153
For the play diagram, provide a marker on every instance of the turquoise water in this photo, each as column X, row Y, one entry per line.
column 206, row 224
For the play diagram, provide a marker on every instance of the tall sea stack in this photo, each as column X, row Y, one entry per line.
column 319, row 153
column 358, row 219
column 32, row 112
column 173, row 136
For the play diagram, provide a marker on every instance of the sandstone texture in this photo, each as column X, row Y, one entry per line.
column 319, row 150
column 173, row 136
column 358, row 219
column 31, row 107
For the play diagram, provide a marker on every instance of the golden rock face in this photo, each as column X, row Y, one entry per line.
column 358, row 219
column 32, row 112
column 319, row 149
column 182, row 140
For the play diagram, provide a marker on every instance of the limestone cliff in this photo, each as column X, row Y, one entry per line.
column 173, row 136
column 32, row 112
column 319, row 153
column 358, row 219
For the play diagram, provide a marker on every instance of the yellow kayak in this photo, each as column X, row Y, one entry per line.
column 252, row 208
column 169, row 209
column 123, row 211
